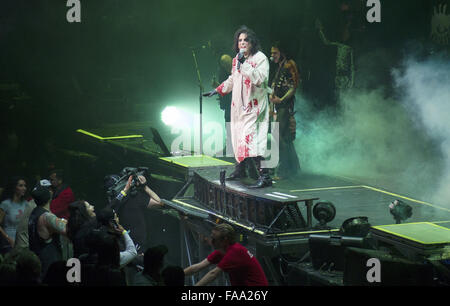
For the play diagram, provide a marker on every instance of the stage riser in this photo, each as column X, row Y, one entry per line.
column 242, row 207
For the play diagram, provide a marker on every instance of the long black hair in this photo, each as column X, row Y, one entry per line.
column 78, row 215
column 252, row 39
column 10, row 188
column 282, row 48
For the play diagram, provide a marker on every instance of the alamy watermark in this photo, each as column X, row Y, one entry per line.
column 373, row 275
column 73, row 275
column 374, row 13
column 74, row 13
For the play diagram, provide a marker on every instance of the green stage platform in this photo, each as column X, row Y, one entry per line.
column 196, row 161
column 415, row 240
column 424, row 233
column 187, row 165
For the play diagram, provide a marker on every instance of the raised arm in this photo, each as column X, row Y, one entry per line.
column 154, row 198
column 130, row 249
column 322, row 36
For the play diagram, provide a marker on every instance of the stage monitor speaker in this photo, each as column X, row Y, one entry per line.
column 394, row 270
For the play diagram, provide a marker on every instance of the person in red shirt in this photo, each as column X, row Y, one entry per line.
column 242, row 266
column 62, row 195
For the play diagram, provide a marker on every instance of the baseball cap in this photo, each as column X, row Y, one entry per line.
column 41, row 194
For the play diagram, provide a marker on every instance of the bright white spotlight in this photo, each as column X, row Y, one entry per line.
column 171, row 115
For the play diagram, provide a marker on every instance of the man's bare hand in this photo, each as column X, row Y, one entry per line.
column 274, row 99
column 128, row 185
column 142, row 179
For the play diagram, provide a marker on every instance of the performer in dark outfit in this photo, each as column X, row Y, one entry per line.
column 284, row 83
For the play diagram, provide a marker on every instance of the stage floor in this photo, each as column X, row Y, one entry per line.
column 353, row 200
column 350, row 197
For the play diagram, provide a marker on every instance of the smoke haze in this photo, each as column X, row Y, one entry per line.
column 395, row 137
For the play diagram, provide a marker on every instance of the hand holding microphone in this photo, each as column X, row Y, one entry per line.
column 210, row 93
column 241, row 57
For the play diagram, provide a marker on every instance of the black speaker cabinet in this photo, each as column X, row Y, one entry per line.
column 394, row 271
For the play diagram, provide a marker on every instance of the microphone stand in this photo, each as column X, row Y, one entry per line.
column 200, row 98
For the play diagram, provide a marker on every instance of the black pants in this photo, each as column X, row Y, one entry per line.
column 289, row 164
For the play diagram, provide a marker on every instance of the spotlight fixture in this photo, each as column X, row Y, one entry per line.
column 400, row 211
column 324, row 212
column 356, row 227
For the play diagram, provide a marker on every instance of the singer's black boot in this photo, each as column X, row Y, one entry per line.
column 238, row 173
column 264, row 179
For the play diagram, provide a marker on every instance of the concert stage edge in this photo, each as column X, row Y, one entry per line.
column 280, row 224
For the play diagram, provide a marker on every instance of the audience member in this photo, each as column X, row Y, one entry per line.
column 28, row 268
column 57, row 274
column 12, row 206
column 109, row 219
column 44, row 229
column 62, row 195
column 8, row 275
column 20, row 267
column 153, row 263
column 106, row 271
column 22, row 225
column 82, row 220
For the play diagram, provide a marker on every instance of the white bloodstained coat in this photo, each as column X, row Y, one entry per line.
column 249, row 105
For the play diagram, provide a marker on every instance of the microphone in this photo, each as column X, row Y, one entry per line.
column 241, row 54
column 271, row 58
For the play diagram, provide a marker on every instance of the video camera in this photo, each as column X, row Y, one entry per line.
column 116, row 183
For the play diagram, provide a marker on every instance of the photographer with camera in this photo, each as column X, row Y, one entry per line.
column 131, row 201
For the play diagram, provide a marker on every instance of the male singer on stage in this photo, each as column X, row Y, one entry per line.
column 249, row 122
